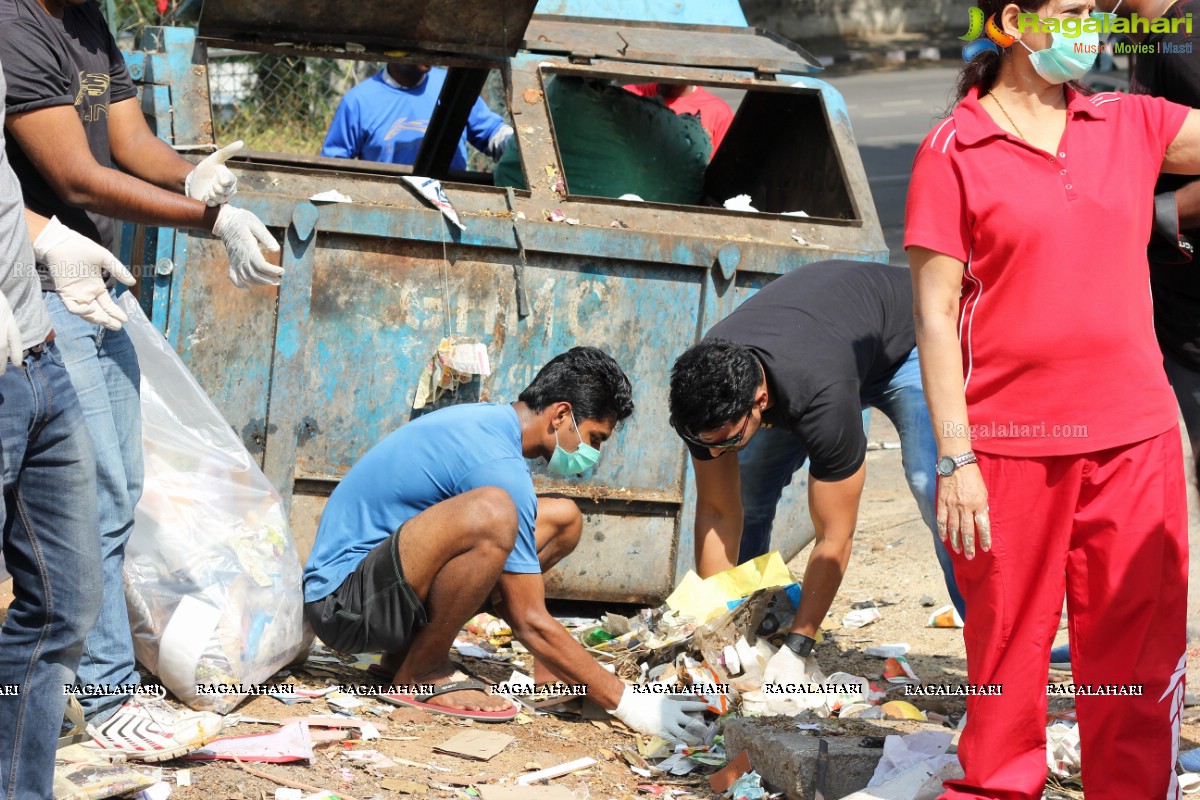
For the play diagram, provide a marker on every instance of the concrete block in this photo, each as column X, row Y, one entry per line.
column 786, row 758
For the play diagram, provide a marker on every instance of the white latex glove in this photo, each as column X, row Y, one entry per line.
column 211, row 181
column 243, row 234
column 10, row 337
column 786, row 669
column 76, row 266
column 661, row 715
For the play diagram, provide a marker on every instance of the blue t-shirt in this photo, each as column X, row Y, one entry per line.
column 379, row 120
column 433, row 458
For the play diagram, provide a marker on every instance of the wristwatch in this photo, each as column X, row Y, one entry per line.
column 800, row 644
column 947, row 464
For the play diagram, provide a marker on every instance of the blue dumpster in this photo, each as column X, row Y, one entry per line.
column 313, row 373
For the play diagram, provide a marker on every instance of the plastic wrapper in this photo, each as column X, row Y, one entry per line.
column 212, row 577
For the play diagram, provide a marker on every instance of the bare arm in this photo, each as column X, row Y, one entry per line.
column 937, row 282
column 523, row 606
column 718, row 514
column 54, row 140
column 1183, row 154
column 834, row 509
column 1187, row 203
column 139, row 152
column 36, row 224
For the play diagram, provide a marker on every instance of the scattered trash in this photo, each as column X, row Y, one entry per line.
column 81, row 774
column 706, row 599
column 555, row 216
column 331, row 196
column 366, row 730
column 739, row 202
column 904, row 753
column 754, row 704
column 887, row 650
column 431, row 190
column 159, row 791
column 289, row 743
column 901, row 709
column 1062, row 749
column 861, row 617
column 724, row 778
column 748, row 787
column 372, row 758
column 457, row 361
column 945, row 617
column 555, row 772
column 477, row 745
column 897, row 670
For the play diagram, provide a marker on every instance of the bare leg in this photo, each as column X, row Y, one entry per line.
column 452, row 555
column 559, row 527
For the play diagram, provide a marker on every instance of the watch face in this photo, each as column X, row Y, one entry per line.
column 945, row 466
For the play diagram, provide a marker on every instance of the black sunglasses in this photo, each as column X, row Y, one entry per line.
column 724, row 444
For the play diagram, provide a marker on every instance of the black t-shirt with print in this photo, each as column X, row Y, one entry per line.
column 69, row 62
column 822, row 333
column 1174, row 73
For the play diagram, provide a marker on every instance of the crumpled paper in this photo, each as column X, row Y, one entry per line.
column 454, row 363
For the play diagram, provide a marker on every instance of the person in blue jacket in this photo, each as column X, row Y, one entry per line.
column 385, row 117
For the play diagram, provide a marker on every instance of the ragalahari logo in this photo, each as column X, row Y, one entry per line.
column 995, row 37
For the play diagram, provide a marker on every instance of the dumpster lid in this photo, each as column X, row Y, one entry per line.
column 714, row 46
column 446, row 29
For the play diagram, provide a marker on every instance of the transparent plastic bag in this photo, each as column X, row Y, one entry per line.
column 212, row 577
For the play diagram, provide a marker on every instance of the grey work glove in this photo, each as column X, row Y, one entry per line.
column 10, row 337
column 243, row 235
column 661, row 715
column 211, row 182
column 76, row 266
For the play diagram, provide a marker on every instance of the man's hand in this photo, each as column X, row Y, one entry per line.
column 661, row 715
column 10, row 337
column 211, row 181
column 76, row 266
column 787, row 668
column 243, row 233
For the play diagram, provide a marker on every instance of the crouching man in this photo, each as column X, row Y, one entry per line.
column 442, row 514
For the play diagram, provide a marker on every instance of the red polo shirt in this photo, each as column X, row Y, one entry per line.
column 1055, row 321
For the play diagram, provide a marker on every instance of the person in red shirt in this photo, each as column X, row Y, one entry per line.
column 685, row 98
column 1060, row 452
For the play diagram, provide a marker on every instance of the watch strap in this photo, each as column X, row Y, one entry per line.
column 800, row 644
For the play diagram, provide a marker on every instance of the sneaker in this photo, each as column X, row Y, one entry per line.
column 150, row 730
column 1060, row 658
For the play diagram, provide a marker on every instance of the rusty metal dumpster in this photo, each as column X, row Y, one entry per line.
column 313, row 373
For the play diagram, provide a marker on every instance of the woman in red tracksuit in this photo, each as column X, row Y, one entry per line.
column 1060, row 459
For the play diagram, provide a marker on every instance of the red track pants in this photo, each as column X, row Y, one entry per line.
column 1110, row 527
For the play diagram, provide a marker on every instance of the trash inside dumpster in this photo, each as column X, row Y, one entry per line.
column 314, row 372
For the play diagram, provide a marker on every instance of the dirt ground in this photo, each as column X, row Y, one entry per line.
column 893, row 564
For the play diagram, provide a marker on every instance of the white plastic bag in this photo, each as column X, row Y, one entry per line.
column 212, row 577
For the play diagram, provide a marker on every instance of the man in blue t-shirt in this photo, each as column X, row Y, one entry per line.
column 385, row 117
column 442, row 514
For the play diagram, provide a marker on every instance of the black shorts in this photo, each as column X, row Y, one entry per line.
column 374, row 610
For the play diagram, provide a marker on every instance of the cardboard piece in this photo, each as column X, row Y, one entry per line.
column 721, row 780
column 525, row 793
column 404, row 786
column 479, row 745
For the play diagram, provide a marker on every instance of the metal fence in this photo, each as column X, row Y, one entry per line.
column 278, row 103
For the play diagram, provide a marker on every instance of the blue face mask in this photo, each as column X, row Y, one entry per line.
column 1068, row 58
column 567, row 464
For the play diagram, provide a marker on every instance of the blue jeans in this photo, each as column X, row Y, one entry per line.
column 104, row 370
column 52, row 551
column 1186, row 383
column 774, row 454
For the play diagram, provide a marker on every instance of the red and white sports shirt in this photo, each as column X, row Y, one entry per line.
column 1055, row 323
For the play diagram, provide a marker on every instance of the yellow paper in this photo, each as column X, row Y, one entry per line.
column 707, row 599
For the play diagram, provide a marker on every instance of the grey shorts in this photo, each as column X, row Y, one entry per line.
column 374, row 610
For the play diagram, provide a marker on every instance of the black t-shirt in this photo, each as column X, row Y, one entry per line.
column 822, row 333
column 69, row 62
column 1174, row 73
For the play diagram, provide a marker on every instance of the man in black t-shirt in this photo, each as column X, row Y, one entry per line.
column 83, row 154
column 785, row 378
